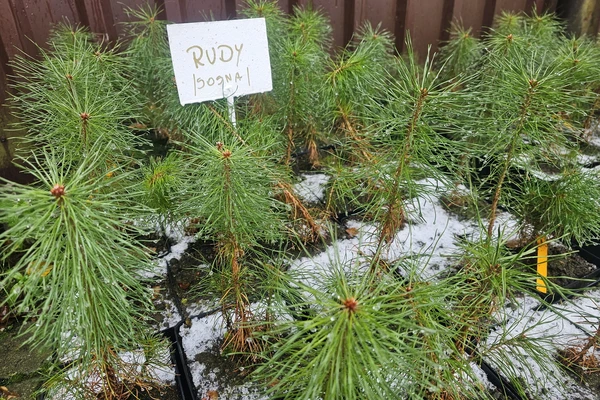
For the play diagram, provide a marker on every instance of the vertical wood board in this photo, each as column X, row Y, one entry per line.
column 426, row 20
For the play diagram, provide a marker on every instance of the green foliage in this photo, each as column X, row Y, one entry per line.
column 524, row 98
column 513, row 103
column 562, row 206
column 415, row 119
column 77, row 271
column 231, row 193
column 75, row 96
column 361, row 335
column 462, row 52
column 162, row 183
column 357, row 75
column 147, row 51
column 299, row 94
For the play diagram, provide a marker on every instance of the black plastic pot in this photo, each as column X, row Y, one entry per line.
column 183, row 377
column 503, row 385
column 590, row 253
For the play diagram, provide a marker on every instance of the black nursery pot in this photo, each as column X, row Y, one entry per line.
column 183, row 377
column 590, row 253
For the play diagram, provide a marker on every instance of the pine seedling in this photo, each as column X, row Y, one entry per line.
column 74, row 96
column 277, row 30
column 162, row 181
column 415, row 119
column 580, row 58
column 233, row 192
column 563, row 206
column 146, row 53
column 461, row 54
column 76, row 277
column 348, row 188
column 492, row 281
column 521, row 348
column 364, row 336
column 300, row 99
column 232, row 197
column 355, row 77
column 522, row 102
column 355, row 80
column 542, row 29
column 507, row 40
column 492, row 275
column 508, row 23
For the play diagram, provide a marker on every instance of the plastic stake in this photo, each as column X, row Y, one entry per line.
column 231, row 110
column 542, row 263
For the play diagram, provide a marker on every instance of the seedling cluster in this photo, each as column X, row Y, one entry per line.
column 498, row 123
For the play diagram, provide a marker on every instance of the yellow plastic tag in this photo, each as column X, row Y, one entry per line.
column 542, row 263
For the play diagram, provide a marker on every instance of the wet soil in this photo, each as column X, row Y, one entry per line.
column 21, row 367
column 165, row 393
column 566, row 266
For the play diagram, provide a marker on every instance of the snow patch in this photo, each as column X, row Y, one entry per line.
column 312, row 187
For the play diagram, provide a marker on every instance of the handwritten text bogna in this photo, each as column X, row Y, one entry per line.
column 211, row 55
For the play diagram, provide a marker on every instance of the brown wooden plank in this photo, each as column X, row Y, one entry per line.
column 240, row 5
column 424, row 20
column 162, row 12
column 39, row 16
column 401, row 15
column 446, row 20
column 335, row 11
column 100, row 17
column 5, row 71
column 488, row 14
column 529, row 6
column 230, row 9
column 9, row 34
column 290, row 5
column 172, row 12
column 23, row 26
column 470, row 14
column 93, row 12
column 3, row 87
column 119, row 12
column 550, row 5
column 510, row 6
column 82, row 15
column 348, row 27
column 376, row 12
column 207, row 10
column 43, row 15
column 59, row 11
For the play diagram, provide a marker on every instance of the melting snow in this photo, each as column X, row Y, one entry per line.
column 312, row 187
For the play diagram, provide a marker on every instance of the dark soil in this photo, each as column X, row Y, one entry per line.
column 166, row 393
column 21, row 367
column 185, row 276
column 565, row 270
column 588, row 376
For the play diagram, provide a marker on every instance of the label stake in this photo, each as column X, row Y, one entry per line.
column 231, row 110
column 542, row 263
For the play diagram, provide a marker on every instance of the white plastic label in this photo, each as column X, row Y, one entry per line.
column 213, row 60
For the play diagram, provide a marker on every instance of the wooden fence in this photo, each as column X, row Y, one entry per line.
column 25, row 23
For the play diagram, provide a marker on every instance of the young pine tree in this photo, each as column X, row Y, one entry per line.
column 77, row 272
column 75, row 96
column 232, row 198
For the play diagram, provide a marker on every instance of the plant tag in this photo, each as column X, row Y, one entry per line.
column 214, row 60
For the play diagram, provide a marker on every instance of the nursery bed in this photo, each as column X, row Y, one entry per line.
column 368, row 228
column 436, row 230
column 191, row 318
